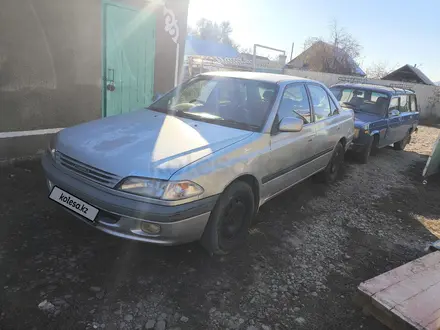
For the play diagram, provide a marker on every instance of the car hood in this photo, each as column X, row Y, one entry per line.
column 362, row 118
column 144, row 143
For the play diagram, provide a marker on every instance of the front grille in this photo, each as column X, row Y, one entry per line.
column 87, row 171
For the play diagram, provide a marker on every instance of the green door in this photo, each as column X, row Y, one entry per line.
column 128, row 59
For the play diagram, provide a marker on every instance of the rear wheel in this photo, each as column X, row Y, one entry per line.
column 400, row 145
column 229, row 222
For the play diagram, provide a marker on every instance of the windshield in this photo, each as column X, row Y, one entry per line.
column 239, row 103
column 362, row 100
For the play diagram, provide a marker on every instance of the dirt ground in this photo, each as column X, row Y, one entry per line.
column 300, row 268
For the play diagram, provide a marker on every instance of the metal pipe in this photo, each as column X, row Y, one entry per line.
column 254, row 59
column 291, row 52
column 176, row 68
column 278, row 50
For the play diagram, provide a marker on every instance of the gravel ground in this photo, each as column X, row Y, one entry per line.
column 310, row 249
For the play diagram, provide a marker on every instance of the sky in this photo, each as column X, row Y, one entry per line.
column 389, row 31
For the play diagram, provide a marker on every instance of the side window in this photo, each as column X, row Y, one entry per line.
column 394, row 104
column 333, row 108
column 295, row 103
column 404, row 103
column 413, row 103
column 320, row 101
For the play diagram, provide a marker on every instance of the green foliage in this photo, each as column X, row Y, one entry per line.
column 208, row 30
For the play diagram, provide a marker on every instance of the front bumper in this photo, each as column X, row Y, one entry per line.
column 360, row 142
column 121, row 216
column 356, row 147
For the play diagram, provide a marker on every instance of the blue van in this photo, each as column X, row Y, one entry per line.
column 384, row 116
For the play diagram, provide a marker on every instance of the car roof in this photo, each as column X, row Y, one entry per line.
column 377, row 88
column 260, row 76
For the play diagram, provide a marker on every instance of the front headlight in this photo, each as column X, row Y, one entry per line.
column 160, row 189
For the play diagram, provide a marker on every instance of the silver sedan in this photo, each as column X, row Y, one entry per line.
column 199, row 162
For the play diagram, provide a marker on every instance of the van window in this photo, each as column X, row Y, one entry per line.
column 394, row 104
column 404, row 103
column 413, row 103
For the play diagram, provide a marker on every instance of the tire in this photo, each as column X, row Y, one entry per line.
column 330, row 173
column 369, row 149
column 229, row 222
column 374, row 146
column 400, row 145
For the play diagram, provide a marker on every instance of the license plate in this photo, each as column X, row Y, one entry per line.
column 73, row 203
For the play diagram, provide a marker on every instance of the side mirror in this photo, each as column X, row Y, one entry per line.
column 394, row 113
column 291, row 124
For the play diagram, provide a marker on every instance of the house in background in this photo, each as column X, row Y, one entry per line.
column 323, row 57
column 409, row 73
column 64, row 62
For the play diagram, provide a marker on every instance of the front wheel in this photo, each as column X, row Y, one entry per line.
column 229, row 222
column 371, row 148
column 330, row 173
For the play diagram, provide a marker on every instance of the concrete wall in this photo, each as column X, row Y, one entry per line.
column 50, row 64
column 428, row 97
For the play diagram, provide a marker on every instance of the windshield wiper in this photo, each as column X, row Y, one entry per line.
column 239, row 124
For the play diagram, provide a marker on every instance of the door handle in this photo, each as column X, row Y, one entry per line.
column 112, row 79
column 111, row 82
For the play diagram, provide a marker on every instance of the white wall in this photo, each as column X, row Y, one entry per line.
column 428, row 97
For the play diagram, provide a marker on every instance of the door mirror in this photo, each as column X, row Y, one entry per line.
column 394, row 113
column 291, row 124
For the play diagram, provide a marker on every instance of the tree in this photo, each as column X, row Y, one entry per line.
column 343, row 40
column 337, row 54
column 208, row 30
column 378, row 70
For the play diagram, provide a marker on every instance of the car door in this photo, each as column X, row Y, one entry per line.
column 290, row 152
column 393, row 121
column 406, row 117
column 327, row 123
column 413, row 107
